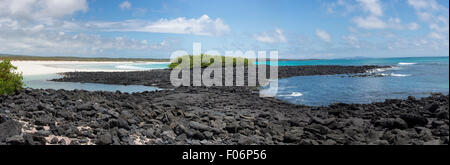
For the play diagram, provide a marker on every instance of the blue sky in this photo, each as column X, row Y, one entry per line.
column 301, row 29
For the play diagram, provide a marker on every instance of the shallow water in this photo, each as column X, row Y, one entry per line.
column 409, row 77
column 41, row 82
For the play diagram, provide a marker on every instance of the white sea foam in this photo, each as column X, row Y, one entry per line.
column 293, row 94
column 129, row 67
column 406, row 63
column 296, row 94
column 378, row 70
column 395, row 68
column 399, row 75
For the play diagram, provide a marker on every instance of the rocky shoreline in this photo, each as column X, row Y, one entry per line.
column 161, row 77
column 216, row 115
column 212, row 115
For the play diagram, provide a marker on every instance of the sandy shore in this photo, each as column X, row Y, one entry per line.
column 52, row 67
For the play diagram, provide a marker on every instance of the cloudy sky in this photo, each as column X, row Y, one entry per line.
column 154, row 29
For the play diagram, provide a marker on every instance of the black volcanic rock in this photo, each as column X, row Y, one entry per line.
column 214, row 115
column 9, row 128
column 161, row 77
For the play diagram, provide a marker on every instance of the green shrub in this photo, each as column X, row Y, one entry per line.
column 179, row 61
column 10, row 80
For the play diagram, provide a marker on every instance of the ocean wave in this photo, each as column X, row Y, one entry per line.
column 399, row 75
column 377, row 70
column 129, row 67
column 293, row 94
column 406, row 63
column 380, row 70
column 395, row 68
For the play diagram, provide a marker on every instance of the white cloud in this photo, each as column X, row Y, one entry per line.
column 276, row 36
column 43, row 27
column 424, row 4
column 435, row 35
column 372, row 6
column 41, row 9
column 413, row 26
column 437, row 28
column 395, row 23
column 200, row 26
column 352, row 40
column 323, row 35
column 57, row 43
column 203, row 25
column 435, row 15
column 125, row 5
column 370, row 22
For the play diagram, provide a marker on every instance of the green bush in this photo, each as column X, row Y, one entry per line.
column 10, row 80
column 179, row 61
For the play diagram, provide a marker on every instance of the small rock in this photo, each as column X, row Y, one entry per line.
column 392, row 123
column 15, row 140
column 74, row 142
column 316, row 128
column 202, row 127
column 244, row 140
column 414, row 120
column 437, row 123
column 169, row 135
column 9, row 128
column 208, row 135
column 104, row 139
column 86, row 106
column 433, row 107
column 54, row 140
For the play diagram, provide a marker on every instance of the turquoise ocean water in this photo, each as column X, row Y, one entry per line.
column 418, row 76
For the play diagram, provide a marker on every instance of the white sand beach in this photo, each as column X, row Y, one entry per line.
column 52, row 67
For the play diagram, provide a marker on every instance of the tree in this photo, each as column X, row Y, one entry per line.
column 10, row 80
